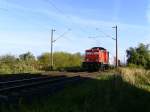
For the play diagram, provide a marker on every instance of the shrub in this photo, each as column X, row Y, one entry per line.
column 134, row 66
column 135, row 76
column 5, row 69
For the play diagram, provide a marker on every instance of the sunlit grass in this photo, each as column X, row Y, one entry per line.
column 134, row 76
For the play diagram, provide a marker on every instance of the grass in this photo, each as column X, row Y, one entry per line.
column 125, row 91
column 137, row 77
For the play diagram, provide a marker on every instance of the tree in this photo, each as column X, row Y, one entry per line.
column 27, row 56
column 27, row 61
column 61, row 60
column 139, row 55
column 44, row 61
column 7, row 63
column 8, row 58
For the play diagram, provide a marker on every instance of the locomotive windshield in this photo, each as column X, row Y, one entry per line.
column 90, row 53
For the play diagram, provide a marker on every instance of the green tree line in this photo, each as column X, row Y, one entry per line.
column 27, row 62
column 136, row 56
column 139, row 56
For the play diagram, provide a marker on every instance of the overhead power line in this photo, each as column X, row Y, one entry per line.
column 23, row 16
column 109, row 36
column 54, row 6
column 62, row 35
column 63, row 13
column 95, row 40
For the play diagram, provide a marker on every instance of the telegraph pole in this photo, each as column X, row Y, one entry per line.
column 116, row 28
column 52, row 34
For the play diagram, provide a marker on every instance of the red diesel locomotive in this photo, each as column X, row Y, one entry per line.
column 96, row 58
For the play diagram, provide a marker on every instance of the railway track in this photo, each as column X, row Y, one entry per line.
column 9, row 77
column 12, row 91
column 25, row 80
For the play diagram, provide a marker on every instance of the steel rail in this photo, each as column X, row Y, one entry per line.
column 28, row 79
column 32, row 84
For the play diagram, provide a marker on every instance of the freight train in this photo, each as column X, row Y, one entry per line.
column 96, row 58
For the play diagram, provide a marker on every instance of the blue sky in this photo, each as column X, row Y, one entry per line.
column 25, row 25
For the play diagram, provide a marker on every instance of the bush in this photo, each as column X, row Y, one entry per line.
column 139, row 56
column 5, row 69
column 23, row 67
column 10, row 64
column 62, row 60
column 27, row 62
column 134, row 66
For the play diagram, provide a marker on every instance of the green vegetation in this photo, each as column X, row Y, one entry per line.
column 126, row 91
column 11, row 64
column 139, row 56
column 62, row 60
column 27, row 62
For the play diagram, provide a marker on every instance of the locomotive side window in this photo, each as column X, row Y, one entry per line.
column 96, row 53
column 88, row 53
